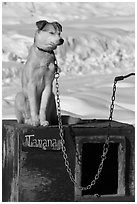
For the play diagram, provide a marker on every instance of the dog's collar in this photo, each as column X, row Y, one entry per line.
column 44, row 50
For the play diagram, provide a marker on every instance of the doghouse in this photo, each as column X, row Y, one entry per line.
column 34, row 169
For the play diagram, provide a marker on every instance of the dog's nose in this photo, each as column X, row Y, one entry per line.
column 61, row 41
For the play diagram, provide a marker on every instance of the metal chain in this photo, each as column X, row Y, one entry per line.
column 61, row 133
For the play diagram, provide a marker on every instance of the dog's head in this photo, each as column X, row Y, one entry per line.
column 47, row 36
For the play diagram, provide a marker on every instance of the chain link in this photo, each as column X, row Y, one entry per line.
column 61, row 133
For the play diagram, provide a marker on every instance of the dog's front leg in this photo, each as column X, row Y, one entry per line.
column 44, row 103
column 33, row 104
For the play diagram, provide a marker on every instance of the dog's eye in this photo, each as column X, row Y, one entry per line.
column 51, row 32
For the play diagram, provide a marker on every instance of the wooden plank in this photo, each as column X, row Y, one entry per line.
column 43, row 175
column 121, row 168
column 110, row 198
column 10, row 164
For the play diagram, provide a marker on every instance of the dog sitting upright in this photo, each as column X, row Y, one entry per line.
column 35, row 105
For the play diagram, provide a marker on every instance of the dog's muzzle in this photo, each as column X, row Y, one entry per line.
column 61, row 41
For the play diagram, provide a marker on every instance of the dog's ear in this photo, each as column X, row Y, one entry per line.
column 56, row 24
column 41, row 24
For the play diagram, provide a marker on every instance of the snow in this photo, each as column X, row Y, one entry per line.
column 99, row 45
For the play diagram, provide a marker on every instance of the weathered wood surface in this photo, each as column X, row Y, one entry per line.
column 33, row 167
column 10, row 170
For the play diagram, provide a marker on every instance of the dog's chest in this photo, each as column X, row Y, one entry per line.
column 46, row 67
column 44, row 71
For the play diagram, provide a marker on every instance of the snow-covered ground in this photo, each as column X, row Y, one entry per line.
column 99, row 45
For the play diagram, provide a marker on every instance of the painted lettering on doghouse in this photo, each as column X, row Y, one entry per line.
column 45, row 144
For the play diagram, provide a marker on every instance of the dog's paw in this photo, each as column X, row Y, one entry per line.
column 35, row 121
column 44, row 123
column 28, row 121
